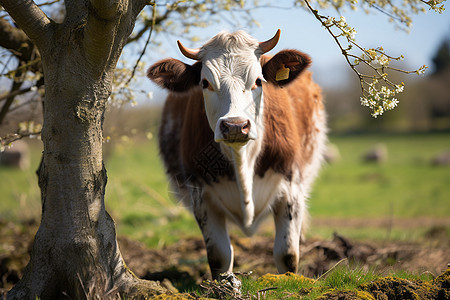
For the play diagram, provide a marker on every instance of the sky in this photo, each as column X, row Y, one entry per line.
column 300, row 30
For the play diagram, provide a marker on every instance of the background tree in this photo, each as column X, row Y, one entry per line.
column 441, row 59
column 75, row 250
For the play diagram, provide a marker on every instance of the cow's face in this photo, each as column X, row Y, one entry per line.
column 230, row 71
column 231, row 80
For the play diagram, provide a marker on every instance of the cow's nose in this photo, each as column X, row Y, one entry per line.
column 235, row 129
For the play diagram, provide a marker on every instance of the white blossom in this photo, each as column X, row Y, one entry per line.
column 329, row 21
column 399, row 88
column 383, row 60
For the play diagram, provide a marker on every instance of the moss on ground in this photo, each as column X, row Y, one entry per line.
column 398, row 288
column 347, row 295
column 180, row 296
column 273, row 279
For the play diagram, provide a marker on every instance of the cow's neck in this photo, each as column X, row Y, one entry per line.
column 244, row 159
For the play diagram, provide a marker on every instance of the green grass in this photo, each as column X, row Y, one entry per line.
column 345, row 277
column 138, row 197
column 407, row 186
column 277, row 286
column 19, row 190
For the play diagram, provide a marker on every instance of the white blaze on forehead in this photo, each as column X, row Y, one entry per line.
column 238, row 42
column 231, row 58
column 231, row 66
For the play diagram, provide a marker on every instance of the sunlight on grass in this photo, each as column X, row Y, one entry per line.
column 407, row 185
column 343, row 278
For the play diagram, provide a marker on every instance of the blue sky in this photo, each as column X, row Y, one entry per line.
column 300, row 30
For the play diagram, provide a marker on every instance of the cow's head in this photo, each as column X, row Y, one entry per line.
column 231, row 71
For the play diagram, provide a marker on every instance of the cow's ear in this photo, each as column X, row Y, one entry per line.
column 175, row 75
column 284, row 66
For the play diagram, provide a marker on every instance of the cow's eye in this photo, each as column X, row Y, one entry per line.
column 258, row 83
column 206, row 85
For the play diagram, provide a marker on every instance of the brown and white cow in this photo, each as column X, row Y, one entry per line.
column 242, row 135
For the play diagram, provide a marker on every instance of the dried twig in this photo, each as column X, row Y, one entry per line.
column 331, row 269
column 146, row 43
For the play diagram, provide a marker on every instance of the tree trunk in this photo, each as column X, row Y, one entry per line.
column 75, row 252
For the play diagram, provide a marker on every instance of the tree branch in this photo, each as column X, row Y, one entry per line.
column 138, row 6
column 108, row 27
column 148, row 24
column 17, row 42
column 12, row 37
column 12, row 137
column 101, row 28
column 146, row 44
column 14, row 93
column 107, row 9
column 30, row 18
column 5, row 108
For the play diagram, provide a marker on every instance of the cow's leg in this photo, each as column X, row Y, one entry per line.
column 218, row 246
column 289, row 216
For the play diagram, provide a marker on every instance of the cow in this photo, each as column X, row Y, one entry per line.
column 242, row 135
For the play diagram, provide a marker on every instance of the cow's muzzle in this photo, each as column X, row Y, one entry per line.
column 235, row 130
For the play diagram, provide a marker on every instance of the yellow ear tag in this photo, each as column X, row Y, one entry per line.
column 282, row 73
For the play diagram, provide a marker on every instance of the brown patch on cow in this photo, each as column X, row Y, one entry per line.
column 169, row 132
column 295, row 60
column 280, row 135
column 186, row 141
column 195, row 132
column 290, row 126
column 200, row 154
column 175, row 75
column 308, row 105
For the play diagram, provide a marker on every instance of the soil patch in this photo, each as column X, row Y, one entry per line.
column 184, row 263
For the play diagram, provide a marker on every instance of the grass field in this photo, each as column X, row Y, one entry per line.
column 341, row 283
column 402, row 190
column 407, row 185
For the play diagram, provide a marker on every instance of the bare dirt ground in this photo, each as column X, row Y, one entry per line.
column 184, row 263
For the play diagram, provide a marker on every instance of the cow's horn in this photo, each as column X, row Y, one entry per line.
column 270, row 44
column 189, row 53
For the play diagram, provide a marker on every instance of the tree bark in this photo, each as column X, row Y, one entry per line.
column 75, row 252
